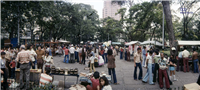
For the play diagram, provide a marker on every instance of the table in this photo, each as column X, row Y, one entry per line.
column 65, row 76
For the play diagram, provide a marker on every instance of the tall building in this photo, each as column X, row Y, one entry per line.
column 110, row 9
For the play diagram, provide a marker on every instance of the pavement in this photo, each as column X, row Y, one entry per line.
column 124, row 73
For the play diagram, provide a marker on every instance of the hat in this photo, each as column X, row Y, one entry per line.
column 22, row 47
column 72, row 45
column 173, row 48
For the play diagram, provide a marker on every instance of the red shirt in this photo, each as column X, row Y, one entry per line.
column 12, row 64
column 102, row 51
column 95, row 83
column 66, row 51
column 122, row 50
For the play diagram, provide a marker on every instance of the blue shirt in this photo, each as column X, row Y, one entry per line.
column 3, row 62
column 180, row 55
column 144, row 52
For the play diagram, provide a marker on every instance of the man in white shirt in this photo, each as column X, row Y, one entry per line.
column 185, row 55
column 149, row 64
column 72, row 50
column 105, row 54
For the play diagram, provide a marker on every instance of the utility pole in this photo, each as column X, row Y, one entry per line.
column 108, row 36
column 163, row 31
column 18, row 27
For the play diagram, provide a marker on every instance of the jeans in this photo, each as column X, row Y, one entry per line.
column 5, row 76
column 77, row 56
column 13, row 72
column 196, row 70
column 161, row 74
column 106, row 59
column 135, row 71
column 186, row 65
column 121, row 55
column 83, row 59
column 180, row 61
column 153, row 67
column 125, row 55
column 67, row 59
column 111, row 72
column 24, row 72
column 33, row 66
column 103, row 57
column 149, row 74
column 156, row 68
column 144, row 59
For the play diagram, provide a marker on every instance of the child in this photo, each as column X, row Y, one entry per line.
column 149, row 63
column 104, row 84
column 92, row 63
column 171, row 67
column 12, row 66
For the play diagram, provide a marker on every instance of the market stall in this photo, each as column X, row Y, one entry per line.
column 132, row 46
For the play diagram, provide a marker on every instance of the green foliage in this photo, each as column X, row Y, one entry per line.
column 49, row 86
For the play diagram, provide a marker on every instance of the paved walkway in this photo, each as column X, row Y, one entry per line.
column 124, row 72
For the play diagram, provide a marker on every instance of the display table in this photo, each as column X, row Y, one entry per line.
column 34, row 75
column 65, row 76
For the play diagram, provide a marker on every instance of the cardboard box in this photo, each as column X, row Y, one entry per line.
column 191, row 86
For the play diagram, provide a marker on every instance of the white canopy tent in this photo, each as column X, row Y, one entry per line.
column 189, row 43
column 63, row 41
column 151, row 42
column 132, row 42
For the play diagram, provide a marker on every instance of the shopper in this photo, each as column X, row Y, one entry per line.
column 24, row 58
column 180, row 61
column 163, row 72
column 156, row 66
column 72, row 50
column 95, row 81
column 66, row 55
column 104, row 84
column 76, row 54
column 121, row 53
column 40, row 53
column 80, row 54
column 4, row 71
column 48, row 62
column 111, row 65
column 92, row 58
column 185, row 60
column 144, row 55
column 83, row 55
column 172, row 66
column 105, row 54
column 149, row 71
column 195, row 61
column 12, row 66
column 137, row 63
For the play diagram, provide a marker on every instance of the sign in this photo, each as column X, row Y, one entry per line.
column 184, row 11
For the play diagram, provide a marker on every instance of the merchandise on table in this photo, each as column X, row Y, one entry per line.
column 77, row 87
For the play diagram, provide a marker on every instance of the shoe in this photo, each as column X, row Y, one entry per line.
column 169, row 88
column 152, row 84
column 144, row 82
column 161, row 87
column 175, row 79
column 135, row 79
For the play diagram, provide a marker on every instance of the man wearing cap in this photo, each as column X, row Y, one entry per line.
column 3, row 70
column 185, row 59
column 72, row 50
column 24, row 57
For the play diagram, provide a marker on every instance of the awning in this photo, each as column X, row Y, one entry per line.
column 151, row 42
column 132, row 42
column 188, row 42
column 63, row 41
column 116, row 43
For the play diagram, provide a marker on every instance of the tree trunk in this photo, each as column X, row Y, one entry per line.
column 168, row 18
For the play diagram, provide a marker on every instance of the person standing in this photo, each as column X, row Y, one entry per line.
column 185, row 60
column 60, row 51
column 163, row 72
column 66, row 55
column 76, row 53
column 83, row 55
column 125, row 49
column 121, row 53
column 48, row 62
column 105, row 54
column 72, row 50
column 111, row 66
column 195, row 61
column 4, row 71
column 117, row 49
column 137, row 63
column 156, row 67
column 8, row 60
column 172, row 64
column 49, row 50
column 33, row 54
column 180, row 61
column 92, row 58
column 102, row 53
column 149, row 71
column 114, row 52
column 80, row 54
column 12, row 66
column 144, row 55
column 25, row 58
column 40, row 53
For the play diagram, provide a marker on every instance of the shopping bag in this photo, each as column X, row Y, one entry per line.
column 101, row 61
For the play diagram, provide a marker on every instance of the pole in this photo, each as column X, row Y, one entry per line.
column 163, row 32
column 18, row 28
column 108, row 36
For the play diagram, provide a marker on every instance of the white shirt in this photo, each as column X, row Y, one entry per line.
column 108, row 87
column 92, row 59
column 150, row 59
column 80, row 50
column 77, row 50
column 72, row 50
column 48, row 59
column 106, row 50
column 185, row 54
column 32, row 53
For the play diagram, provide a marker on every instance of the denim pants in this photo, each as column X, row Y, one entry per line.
column 196, row 70
column 149, row 74
column 13, row 72
column 144, row 59
column 111, row 72
column 156, row 68
column 121, row 55
column 135, row 71
column 125, row 55
column 76, row 56
column 106, row 59
column 67, row 59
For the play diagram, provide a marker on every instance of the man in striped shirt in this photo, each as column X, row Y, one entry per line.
column 25, row 58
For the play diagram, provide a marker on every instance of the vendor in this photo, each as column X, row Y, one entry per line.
column 48, row 61
column 95, row 81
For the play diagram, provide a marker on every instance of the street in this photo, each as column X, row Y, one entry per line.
column 124, row 73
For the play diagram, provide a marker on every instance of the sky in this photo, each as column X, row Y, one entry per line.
column 98, row 5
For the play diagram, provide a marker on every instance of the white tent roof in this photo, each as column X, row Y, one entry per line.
column 151, row 42
column 63, row 41
column 189, row 42
column 132, row 42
